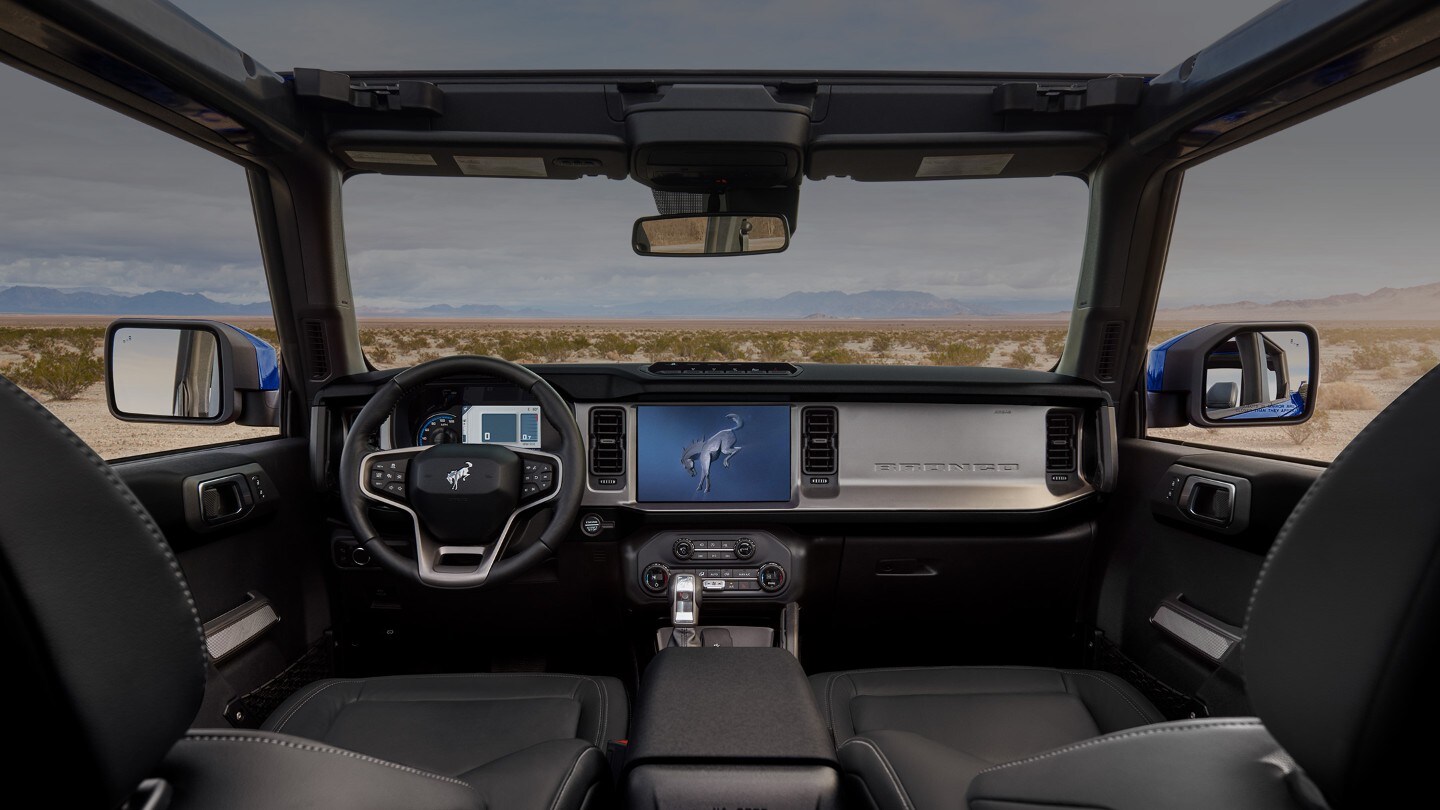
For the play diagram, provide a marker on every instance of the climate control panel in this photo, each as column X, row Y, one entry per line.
column 757, row 565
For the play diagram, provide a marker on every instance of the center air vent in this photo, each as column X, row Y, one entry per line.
column 1059, row 442
column 726, row 369
column 819, row 441
column 607, row 441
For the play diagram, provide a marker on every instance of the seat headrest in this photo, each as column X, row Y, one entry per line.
column 101, row 629
column 1344, row 623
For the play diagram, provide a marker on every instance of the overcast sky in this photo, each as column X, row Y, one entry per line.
column 91, row 199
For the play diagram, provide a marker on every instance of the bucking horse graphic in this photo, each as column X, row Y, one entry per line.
column 456, row 476
column 704, row 451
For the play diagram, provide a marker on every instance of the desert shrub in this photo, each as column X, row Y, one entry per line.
column 1054, row 341
column 380, row 354
column 61, row 374
column 1347, row 396
column 881, row 343
column 612, row 343
column 770, row 346
column 961, row 354
column 1021, row 358
column 1425, row 359
column 1376, row 354
column 1337, row 371
column 835, row 354
column 1316, row 428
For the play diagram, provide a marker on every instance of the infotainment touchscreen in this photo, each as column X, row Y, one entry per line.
column 712, row 453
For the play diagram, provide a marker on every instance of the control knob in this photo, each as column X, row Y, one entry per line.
column 683, row 549
column 772, row 577
column 655, row 578
column 745, row 549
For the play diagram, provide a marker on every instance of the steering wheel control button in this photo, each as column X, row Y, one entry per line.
column 772, row 577
column 536, row 477
column 655, row 578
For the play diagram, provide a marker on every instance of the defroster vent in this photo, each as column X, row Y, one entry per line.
column 607, row 441
column 1060, row 441
column 819, row 441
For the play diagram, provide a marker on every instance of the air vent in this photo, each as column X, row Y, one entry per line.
column 1109, row 358
column 607, row 441
column 819, row 441
column 317, row 351
column 1059, row 442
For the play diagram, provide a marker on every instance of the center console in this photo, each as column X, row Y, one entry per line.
column 729, row 566
column 729, row 727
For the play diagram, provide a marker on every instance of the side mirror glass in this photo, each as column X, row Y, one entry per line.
column 190, row 371
column 1258, row 376
column 166, row 372
column 1233, row 375
column 710, row 234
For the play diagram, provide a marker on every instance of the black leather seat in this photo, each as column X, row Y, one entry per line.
column 521, row 740
column 105, row 669
column 914, row 738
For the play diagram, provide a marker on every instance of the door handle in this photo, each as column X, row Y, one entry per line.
column 1209, row 499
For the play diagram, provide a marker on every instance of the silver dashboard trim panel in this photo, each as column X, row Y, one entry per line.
column 896, row 457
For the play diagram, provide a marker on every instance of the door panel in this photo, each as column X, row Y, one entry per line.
column 1155, row 554
column 275, row 552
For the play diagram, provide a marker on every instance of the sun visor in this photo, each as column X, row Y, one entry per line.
column 554, row 156
column 959, row 156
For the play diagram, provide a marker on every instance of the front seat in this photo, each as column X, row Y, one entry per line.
column 105, row 668
column 1342, row 654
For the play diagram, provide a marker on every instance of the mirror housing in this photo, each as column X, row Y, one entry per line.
column 191, row 372
column 1233, row 375
column 720, row 234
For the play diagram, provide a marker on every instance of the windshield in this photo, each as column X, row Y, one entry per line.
column 940, row 273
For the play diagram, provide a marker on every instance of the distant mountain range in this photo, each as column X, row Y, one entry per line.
column 30, row 300
column 1421, row 303
column 26, row 300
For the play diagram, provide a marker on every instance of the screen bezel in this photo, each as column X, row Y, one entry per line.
column 791, row 496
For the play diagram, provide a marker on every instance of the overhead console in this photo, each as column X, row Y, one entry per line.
column 871, row 456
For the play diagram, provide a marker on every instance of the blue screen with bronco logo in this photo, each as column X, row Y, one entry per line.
column 712, row 453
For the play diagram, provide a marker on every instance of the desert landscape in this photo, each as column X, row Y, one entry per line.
column 1364, row 365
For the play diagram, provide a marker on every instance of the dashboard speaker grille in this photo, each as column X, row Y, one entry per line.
column 317, row 350
column 819, row 441
column 1059, row 441
column 607, row 441
column 1108, row 360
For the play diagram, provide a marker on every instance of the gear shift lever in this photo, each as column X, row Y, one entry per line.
column 684, row 610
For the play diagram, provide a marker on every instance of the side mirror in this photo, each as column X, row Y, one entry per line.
column 1234, row 375
column 190, row 372
column 710, row 234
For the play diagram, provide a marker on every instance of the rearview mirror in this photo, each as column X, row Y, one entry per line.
column 710, row 234
column 1233, row 375
column 195, row 372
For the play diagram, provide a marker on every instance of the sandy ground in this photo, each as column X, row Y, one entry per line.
column 90, row 418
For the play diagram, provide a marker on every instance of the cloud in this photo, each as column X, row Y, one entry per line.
column 90, row 198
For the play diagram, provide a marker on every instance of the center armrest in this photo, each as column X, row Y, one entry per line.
column 728, row 705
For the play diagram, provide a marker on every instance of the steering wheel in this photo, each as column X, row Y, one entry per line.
column 464, row 499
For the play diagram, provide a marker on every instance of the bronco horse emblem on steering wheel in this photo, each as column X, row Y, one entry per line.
column 456, row 476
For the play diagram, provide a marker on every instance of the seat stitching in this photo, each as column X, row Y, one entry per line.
column 574, row 766
column 604, row 711
column 889, row 771
column 321, row 749
column 1126, row 735
column 313, row 692
column 830, row 702
column 1117, row 690
column 165, row 550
